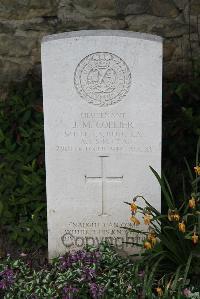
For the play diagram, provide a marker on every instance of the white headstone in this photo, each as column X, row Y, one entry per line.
column 102, row 116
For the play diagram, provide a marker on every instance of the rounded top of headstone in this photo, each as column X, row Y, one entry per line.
column 120, row 33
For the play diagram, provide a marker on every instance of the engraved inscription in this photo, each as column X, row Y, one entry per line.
column 102, row 79
column 106, row 132
column 102, row 179
column 79, row 234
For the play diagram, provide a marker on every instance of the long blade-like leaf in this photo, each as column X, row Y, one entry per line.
column 177, row 276
column 165, row 193
column 197, row 152
column 187, row 269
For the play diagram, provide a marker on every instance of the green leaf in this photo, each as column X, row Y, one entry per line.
column 23, row 132
column 38, row 229
column 197, row 151
column 189, row 170
column 197, row 180
column 177, row 276
column 1, row 207
column 151, row 276
column 166, row 194
column 26, row 116
column 2, row 136
column 187, row 269
column 169, row 189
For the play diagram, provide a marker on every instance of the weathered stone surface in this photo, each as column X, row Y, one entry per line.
column 195, row 7
column 15, row 69
column 191, row 14
column 26, row 21
column 6, row 27
column 105, row 4
column 134, row 7
column 107, row 23
column 164, row 8
column 181, row 4
column 166, row 27
column 127, row 7
column 168, row 50
column 22, row 9
column 191, row 46
column 101, row 23
column 79, row 14
column 177, row 50
column 15, row 46
column 89, row 8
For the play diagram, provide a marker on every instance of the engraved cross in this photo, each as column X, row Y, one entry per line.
column 102, row 180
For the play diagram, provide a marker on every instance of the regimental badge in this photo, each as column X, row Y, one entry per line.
column 102, row 79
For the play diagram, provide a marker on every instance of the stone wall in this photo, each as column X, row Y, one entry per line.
column 24, row 22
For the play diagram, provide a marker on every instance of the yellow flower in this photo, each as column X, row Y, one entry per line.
column 154, row 241
column 133, row 207
column 152, row 238
column 176, row 217
column 147, row 218
column 197, row 169
column 192, row 203
column 159, row 291
column 181, row 227
column 173, row 215
column 147, row 245
column 195, row 238
column 135, row 220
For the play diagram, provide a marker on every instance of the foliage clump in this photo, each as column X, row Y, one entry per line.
column 89, row 273
column 22, row 172
column 96, row 273
column 181, row 126
column 172, row 240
